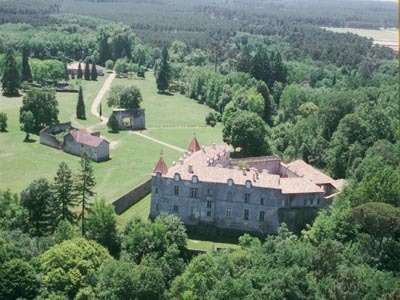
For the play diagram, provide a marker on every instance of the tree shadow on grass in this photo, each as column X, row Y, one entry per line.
column 165, row 93
column 29, row 140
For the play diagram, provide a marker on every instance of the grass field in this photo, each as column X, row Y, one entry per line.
column 387, row 37
column 132, row 157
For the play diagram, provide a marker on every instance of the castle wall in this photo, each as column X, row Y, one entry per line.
column 137, row 117
column 226, row 206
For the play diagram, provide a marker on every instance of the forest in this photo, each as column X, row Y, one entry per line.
column 276, row 83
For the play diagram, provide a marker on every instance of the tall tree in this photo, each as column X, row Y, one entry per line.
column 84, row 186
column 104, row 47
column 66, row 72
column 3, row 122
column 43, row 105
column 164, row 72
column 79, row 74
column 10, row 78
column 93, row 72
column 124, row 97
column 64, row 195
column 244, row 62
column 80, row 106
column 87, row 71
column 36, row 198
column 102, row 226
column 27, row 124
column 26, row 74
column 261, row 67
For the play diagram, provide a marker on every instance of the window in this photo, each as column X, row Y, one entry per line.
column 176, row 208
column 318, row 201
column 208, row 213
column 311, row 201
column 192, row 211
column 193, row 192
column 177, row 177
column 247, row 197
column 176, row 190
column 261, row 217
column 210, row 192
column 230, row 182
column 229, row 196
column 157, row 208
column 305, row 201
column 262, row 201
column 246, row 214
column 195, row 179
column 156, row 190
column 209, row 203
column 228, row 212
column 248, row 184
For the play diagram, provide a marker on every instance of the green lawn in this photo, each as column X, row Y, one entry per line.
column 132, row 157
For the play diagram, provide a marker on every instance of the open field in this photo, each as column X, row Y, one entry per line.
column 132, row 157
column 385, row 36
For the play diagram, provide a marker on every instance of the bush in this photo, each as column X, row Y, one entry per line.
column 112, row 124
column 109, row 64
column 3, row 121
column 212, row 118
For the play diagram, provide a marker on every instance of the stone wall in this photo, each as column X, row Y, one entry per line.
column 47, row 135
column 132, row 197
column 136, row 116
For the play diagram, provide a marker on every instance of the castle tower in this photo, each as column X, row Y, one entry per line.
column 161, row 167
column 194, row 145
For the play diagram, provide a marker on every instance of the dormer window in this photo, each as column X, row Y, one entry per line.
column 230, row 182
column 177, row 177
column 248, row 184
column 158, row 174
column 195, row 179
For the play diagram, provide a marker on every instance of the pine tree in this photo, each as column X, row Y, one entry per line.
column 163, row 72
column 87, row 71
column 26, row 74
column 244, row 63
column 93, row 73
column 66, row 72
column 10, row 79
column 84, row 186
column 65, row 198
column 79, row 75
column 80, row 106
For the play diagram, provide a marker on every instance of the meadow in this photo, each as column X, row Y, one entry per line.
column 171, row 119
column 384, row 36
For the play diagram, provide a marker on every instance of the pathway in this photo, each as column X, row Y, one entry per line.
column 158, row 141
column 104, row 119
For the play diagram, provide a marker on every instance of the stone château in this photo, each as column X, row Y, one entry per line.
column 208, row 189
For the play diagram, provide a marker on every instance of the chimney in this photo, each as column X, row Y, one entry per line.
column 190, row 168
column 244, row 171
column 257, row 174
column 181, row 161
column 254, row 177
column 174, row 163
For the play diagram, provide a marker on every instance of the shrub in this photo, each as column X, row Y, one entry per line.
column 3, row 121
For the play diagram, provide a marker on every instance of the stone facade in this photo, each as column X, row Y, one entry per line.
column 130, row 119
column 206, row 188
column 76, row 141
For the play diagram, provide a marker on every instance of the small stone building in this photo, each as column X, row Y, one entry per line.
column 130, row 119
column 207, row 189
column 76, row 141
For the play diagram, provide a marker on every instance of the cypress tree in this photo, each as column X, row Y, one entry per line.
column 79, row 75
column 66, row 74
column 10, row 79
column 87, row 71
column 100, row 111
column 93, row 73
column 163, row 72
column 26, row 74
column 112, row 123
column 80, row 107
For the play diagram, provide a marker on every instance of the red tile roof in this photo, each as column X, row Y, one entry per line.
column 161, row 167
column 83, row 136
column 194, row 145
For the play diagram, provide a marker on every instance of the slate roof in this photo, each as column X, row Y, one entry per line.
column 83, row 136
